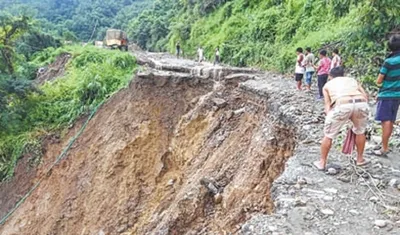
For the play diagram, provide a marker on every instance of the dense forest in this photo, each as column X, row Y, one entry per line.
column 261, row 33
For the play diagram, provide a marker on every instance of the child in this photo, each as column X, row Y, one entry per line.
column 299, row 69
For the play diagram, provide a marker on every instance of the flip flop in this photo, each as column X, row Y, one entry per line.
column 380, row 153
column 318, row 166
column 364, row 163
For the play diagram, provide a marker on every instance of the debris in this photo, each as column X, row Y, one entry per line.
column 328, row 198
column 331, row 190
column 393, row 183
column 381, row 223
column 327, row 212
column 332, row 171
column 373, row 199
column 354, row 212
column 301, row 181
column 220, row 103
column 299, row 203
column 218, row 198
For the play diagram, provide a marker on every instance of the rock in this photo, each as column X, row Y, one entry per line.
column 301, row 181
column 328, row 198
column 354, row 212
column 373, row 199
column 220, row 103
column 332, row 171
column 381, row 223
column 272, row 228
column 328, row 212
column 218, row 198
column 331, row 190
column 299, row 202
column 239, row 111
column 344, row 179
column 393, row 183
column 171, row 182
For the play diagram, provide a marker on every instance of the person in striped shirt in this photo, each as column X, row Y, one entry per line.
column 389, row 94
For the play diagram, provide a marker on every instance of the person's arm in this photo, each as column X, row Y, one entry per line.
column 380, row 79
column 327, row 100
column 300, row 60
column 382, row 74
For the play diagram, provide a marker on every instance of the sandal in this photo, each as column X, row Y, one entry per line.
column 364, row 163
column 317, row 165
column 380, row 153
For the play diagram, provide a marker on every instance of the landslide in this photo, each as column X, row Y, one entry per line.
column 154, row 157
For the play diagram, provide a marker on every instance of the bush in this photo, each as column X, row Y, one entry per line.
column 92, row 76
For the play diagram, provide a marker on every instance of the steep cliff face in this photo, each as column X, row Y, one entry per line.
column 174, row 153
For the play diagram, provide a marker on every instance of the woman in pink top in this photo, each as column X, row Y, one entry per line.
column 323, row 71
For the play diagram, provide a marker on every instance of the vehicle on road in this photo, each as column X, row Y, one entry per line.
column 116, row 38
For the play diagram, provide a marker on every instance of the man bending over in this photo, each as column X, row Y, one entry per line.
column 345, row 100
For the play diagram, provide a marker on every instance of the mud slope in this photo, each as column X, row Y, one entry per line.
column 158, row 158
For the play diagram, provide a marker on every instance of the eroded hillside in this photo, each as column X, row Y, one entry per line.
column 172, row 154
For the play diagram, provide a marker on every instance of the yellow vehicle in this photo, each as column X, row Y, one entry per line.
column 116, row 38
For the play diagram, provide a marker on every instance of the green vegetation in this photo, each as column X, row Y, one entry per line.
column 265, row 33
column 28, row 41
column 92, row 76
column 76, row 20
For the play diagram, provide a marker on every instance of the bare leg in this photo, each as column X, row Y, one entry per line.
column 387, row 129
column 360, row 144
column 325, row 148
column 299, row 85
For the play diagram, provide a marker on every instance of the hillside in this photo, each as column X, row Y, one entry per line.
column 189, row 149
column 266, row 33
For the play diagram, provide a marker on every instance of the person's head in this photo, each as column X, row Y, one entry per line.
column 299, row 50
column 394, row 43
column 308, row 50
column 322, row 54
column 217, row 49
column 335, row 51
column 337, row 72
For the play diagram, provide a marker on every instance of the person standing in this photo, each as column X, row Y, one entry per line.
column 309, row 64
column 299, row 69
column 345, row 100
column 389, row 94
column 200, row 54
column 323, row 72
column 336, row 60
column 178, row 49
column 217, row 56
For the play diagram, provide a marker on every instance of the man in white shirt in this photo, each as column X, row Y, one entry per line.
column 299, row 69
column 309, row 64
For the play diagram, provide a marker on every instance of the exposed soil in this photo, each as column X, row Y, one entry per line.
column 175, row 153
column 54, row 70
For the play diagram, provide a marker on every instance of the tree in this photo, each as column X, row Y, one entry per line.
column 11, row 29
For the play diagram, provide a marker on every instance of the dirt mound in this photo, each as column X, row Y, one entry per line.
column 54, row 70
column 171, row 154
